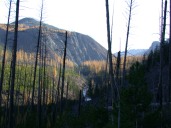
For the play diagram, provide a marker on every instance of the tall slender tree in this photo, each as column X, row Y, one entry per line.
column 37, row 52
column 109, row 50
column 169, row 98
column 58, row 87
column 161, row 54
column 39, row 91
column 127, row 39
column 44, row 74
column 161, row 63
column 25, row 79
column 13, row 65
column 118, row 67
column 63, row 74
column 4, row 52
column 117, row 87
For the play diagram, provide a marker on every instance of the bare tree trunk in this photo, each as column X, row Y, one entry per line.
column 4, row 53
column 63, row 76
column 111, row 74
column 17, row 84
column 118, row 68
column 67, row 90
column 47, row 90
column 161, row 63
column 161, row 27
column 24, row 90
column 126, row 45
column 53, row 87
column 29, row 89
column 106, row 82
column 8, row 97
column 50, row 90
column 58, row 91
column 169, row 98
column 38, row 45
column 59, row 81
column 14, row 57
column 79, row 105
column 110, row 52
column 44, row 77
column 117, row 87
column 39, row 97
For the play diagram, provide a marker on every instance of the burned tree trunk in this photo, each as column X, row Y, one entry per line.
column 109, row 51
column 44, row 77
column 4, row 53
column 169, row 98
column 161, row 56
column 126, row 45
column 37, row 51
column 118, row 68
column 161, row 63
column 63, row 76
column 58, row 89
column 14, row 58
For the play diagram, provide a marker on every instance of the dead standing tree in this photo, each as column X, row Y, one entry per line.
column 169, row 99
column 13, row 67
column 63, row 75
column 37, row 52
column 58, row 88
column 130, row 5
column 109, row 51
column 161, row 61
column 118, row 87
column 4, row 52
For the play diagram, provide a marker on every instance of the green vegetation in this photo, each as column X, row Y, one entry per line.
column 137, row 105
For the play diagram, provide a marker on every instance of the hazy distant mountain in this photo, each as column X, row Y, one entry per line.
column 141, row 52
column 80, row 47
column 154, row 45
column 133, row 52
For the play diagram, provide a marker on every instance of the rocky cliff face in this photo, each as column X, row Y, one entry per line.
column 80, row 47
column 154, row 45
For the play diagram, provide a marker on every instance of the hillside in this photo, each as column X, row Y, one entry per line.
column 80, row 47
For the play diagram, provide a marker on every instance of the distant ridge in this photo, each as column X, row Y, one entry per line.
column 141, row 52
column 80, row 47
column 133, row 52
column 154, row 45
column 28, row 21
column 33, row 22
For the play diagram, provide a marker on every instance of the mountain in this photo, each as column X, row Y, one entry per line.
column 80, row 47
column 154, row 45
column 133, row 52
column 30, row 22
column 141, row 52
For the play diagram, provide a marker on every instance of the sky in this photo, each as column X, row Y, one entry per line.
column 89, row 17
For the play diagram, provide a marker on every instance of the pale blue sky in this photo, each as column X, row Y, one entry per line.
column 89, row 17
